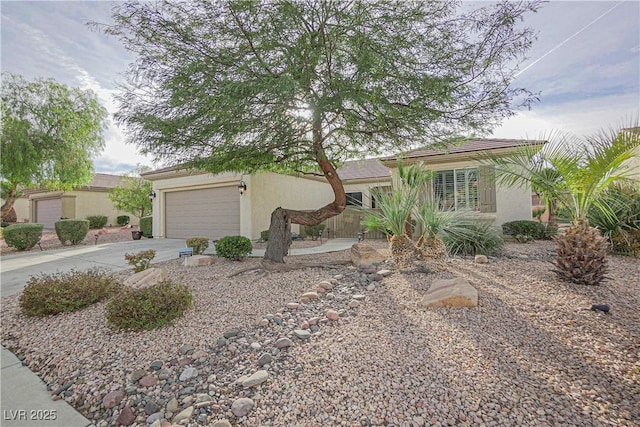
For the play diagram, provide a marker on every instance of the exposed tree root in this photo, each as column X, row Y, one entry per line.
column 267, row 267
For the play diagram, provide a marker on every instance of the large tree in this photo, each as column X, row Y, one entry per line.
column 299, row 86
column 48, row 137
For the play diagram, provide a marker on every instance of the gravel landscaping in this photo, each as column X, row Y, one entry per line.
column 363, row 353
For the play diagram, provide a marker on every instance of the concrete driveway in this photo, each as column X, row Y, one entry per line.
column 15, row 269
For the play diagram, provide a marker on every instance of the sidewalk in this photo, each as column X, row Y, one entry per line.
column 24, row 399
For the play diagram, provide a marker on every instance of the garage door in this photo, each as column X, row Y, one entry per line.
column 48, row 212
column 210, row 212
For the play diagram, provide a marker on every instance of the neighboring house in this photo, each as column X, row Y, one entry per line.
column 462, row 183
column 47, row 207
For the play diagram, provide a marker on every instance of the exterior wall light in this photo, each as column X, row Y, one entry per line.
column 242, row 187
column 152, row 195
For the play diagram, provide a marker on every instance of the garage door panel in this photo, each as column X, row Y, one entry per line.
column 210, row 212
column 48, row 212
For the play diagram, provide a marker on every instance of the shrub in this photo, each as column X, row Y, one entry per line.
column 22, row 236
column 50, row 294
column 314, row 231
column 264, row 235
column 146, row 226
column 148, row 308
column 72, row 230
column 524, row 228
column 123, row 220
column 233, row 247
column 140, row 261
column 472, row 238
column 199, row 244
column 627, row 242
column 97, row 221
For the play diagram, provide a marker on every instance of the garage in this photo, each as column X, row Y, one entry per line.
column 48, row 211
column 207, row 212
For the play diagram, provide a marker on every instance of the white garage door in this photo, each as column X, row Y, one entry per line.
column 210, row 212
column 48, row 211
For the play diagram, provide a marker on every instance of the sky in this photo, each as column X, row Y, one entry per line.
column 585, row 65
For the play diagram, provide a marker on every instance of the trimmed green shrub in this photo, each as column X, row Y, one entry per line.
column 233, row 247
column 50, row 294
column 140, row 261
column 199, row 244
column 148, row 308
column 22, row 236
column 472, row 238
column 264, row 235
column 314, row 231
column 97, row 221
column 524, row 228
column 123, row 220
column 146, row 226
column 72, row 230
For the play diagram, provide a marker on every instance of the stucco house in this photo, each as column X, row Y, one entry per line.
column 198, row 204
column 47, row 207
column 462, row 182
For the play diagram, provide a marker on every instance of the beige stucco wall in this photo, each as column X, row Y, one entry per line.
column 21, row 207
column 267, row 191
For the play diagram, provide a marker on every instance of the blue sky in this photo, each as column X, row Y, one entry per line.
column 585, row 64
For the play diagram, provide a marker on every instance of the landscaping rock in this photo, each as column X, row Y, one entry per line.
column 310, row 295
column 197, row 260
column 148, row 381
column 113, row 399
column 222, row 423
column 257, row 378
column 186, row 349
column 302, row 334
column 188, row 373
column 126, row 417
column 451, row 293
column 363, row 255
column 264, row 359
column 183, row 415
column 146, row 278
column 241, row 407
column 283, row 342
column 480, row 259
column 332, row 315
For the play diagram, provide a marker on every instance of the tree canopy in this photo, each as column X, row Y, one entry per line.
column 133, row 195
column 299, row 86
column 49, row 135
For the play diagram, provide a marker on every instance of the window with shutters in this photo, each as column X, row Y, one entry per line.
column 457, row 189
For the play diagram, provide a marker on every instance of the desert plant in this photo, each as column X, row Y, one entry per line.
column 148, row 308
column 123, row 219
column 583, row 171
column 233, row 247
column 146, row 226
column 71, row 230
column 538, row 212
column 314, row 231
column 534, row 229
column 472, row 238
column 264, row 235
column 97, row 221
column 50, row 294
column 22, row 236
column 140, row 261
column 199, row 244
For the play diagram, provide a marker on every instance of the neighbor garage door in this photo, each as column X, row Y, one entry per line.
column 48, row 211
column 209, row 212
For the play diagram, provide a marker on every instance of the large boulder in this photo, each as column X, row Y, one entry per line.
column 451, row 293
column 363, row 255
column 146, row 278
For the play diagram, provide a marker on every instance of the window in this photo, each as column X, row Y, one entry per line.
column 375, row 195
column 354, row 199
column 457, row 189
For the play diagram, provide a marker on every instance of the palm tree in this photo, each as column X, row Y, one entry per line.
column 584, row 169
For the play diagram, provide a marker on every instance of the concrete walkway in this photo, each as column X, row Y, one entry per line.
column 24, row 399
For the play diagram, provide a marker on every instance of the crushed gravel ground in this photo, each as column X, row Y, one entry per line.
column 531, row 354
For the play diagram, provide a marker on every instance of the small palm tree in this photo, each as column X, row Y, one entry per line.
column 584, row 169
